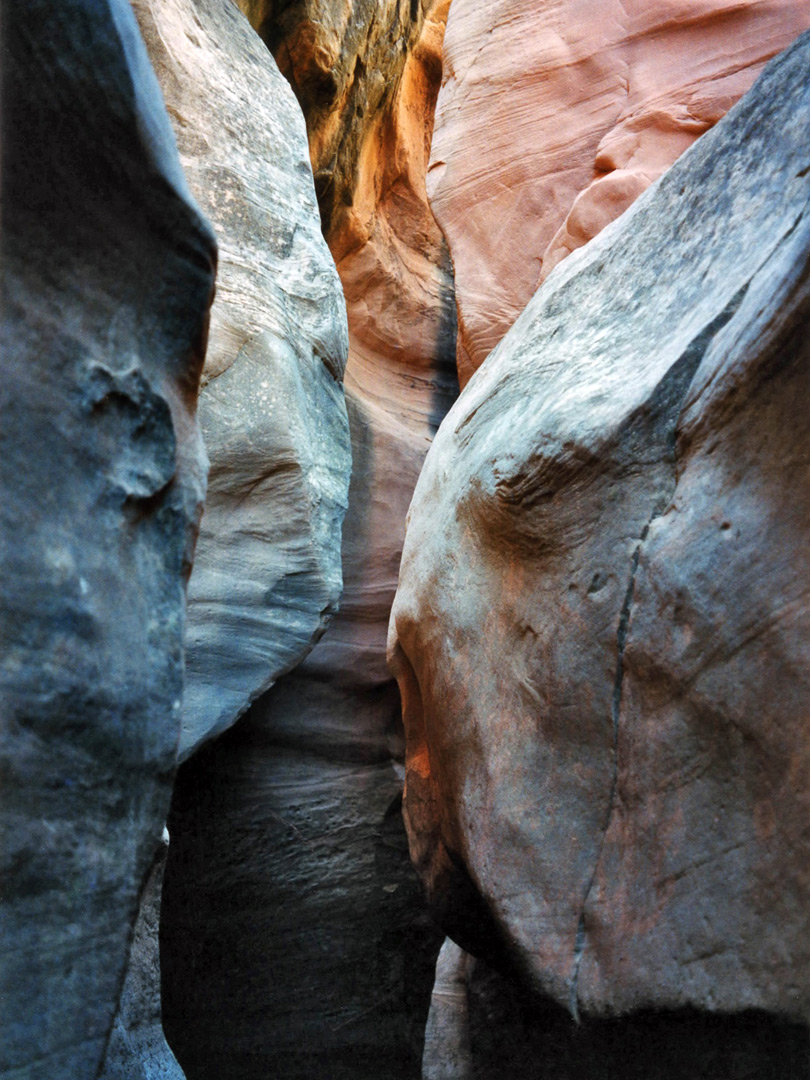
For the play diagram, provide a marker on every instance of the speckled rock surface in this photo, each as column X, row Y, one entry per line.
column 267, row 574
column 108, row 271
column 601, row 629
column 553, row 117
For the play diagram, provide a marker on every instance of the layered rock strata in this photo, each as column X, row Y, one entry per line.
column 108, row 271
column 335, row 977
column 267, row 575
column 553, row 117
column 602, row 623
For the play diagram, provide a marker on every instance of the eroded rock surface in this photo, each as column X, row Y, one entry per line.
column 108, row 271
column 298, row 808
column 553, row 117
column 601, row 629
column 137, row 1048
column 267, row 575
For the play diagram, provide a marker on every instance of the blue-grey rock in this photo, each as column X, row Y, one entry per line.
column 108, row 270
column 137, row 1048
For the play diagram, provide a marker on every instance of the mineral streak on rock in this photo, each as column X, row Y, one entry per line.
column 601, row 629
column 267, row 574
column 553, row 117
column 108, row 272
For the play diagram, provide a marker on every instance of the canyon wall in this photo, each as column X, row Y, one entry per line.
column 295, row 939
column 108, row 270
column 602, row 620
column 267, row 573
column 553, row 117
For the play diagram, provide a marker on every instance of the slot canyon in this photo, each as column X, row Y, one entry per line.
column 405, row 518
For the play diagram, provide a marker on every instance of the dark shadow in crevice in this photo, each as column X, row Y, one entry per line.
column 514, row 1037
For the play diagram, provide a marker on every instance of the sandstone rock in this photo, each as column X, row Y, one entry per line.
column 345, row 63
column 267, row 573
column 447, row 1054
column 108, row 271
column 328, row 963
column 295, row 943
column 553, row 117
column 137, row 1048
column 601, row 627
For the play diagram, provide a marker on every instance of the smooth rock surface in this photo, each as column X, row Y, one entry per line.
column 267, row 575
column 511, row 1035
column 601, row 629
column 447, row 1054
column 108, row 271
column 553, row 117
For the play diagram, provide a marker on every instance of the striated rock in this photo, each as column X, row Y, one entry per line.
column 601, row 627
column 345, row 63
column 317, row 958
column 108, row 272
column 267, row 574
column 553, row 117
column 294, row 940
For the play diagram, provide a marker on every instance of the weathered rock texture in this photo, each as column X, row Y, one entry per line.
column 317, row 958
column 267, row 574
column 108, row 271
column 137, row 1048
column 553, row 117
column 601, row 629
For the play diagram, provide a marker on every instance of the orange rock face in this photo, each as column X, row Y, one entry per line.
column 553, row 117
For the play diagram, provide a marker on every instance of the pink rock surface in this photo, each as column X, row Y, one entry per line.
column 553, row 117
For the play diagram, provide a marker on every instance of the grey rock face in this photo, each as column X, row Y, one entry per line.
column 108, row 271
column 137, row 1049
column 267, row 573
column 447, row 1054
column 295, row 942
column 601, row 629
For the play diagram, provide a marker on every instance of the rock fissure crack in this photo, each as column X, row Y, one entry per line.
column 670, row 394
column 621, row 641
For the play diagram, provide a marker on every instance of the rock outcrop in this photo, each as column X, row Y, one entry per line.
column 108, row 271
column 320, row 960
column 447, row 1054
column 267, row 573
column 137, row 1047
column 553, row 117
column 601, row 629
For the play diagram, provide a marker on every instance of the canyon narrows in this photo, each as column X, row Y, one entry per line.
column 589, row 564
